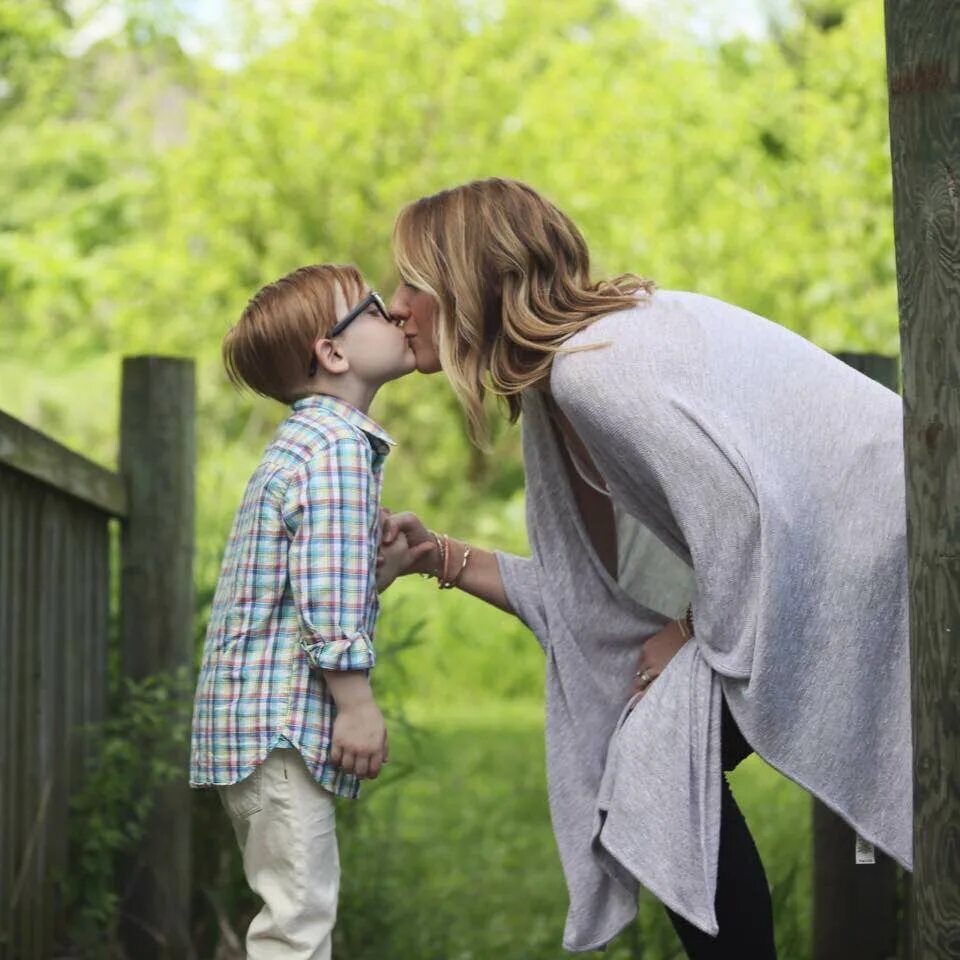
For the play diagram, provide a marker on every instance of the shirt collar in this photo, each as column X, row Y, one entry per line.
column 347, row 411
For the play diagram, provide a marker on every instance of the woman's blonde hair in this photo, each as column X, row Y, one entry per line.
column 511, row 276
column 271, row 346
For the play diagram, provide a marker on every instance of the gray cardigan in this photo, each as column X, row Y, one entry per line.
column 776, row 472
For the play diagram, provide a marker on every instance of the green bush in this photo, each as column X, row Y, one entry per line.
column 138, row 750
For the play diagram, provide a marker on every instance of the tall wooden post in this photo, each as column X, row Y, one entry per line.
column 157, row 460
column 923, row 64
column 856, row 907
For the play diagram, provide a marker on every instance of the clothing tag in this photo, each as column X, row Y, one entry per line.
column 864, row 851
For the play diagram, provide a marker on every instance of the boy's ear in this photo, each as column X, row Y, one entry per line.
column 329, row 358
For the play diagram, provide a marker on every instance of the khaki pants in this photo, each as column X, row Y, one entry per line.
column 285, row 825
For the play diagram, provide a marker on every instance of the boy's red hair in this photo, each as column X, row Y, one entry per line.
column 270, row 348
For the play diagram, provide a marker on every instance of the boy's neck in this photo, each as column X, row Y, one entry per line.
column 359, row 395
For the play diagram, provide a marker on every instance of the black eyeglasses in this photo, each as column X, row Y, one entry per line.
column 372, row 299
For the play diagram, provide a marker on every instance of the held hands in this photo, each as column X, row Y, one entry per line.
column 392, row 560
column 398, row 555
column 422, row 548
column 657, row 651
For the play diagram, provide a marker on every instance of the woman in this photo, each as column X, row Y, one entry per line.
column 719, row 442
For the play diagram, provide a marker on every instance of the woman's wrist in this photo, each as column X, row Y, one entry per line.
column 450, row 559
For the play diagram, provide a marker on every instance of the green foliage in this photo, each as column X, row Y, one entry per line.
column 138, row 751
column 460, row 863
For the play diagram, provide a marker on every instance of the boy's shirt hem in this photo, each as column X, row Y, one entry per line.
column 331, row 778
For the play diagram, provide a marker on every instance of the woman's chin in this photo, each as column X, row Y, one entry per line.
column 428, row 365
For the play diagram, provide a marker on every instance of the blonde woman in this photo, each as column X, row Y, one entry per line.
column 715, row 510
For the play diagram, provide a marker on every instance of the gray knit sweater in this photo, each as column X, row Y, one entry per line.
column 776, row 472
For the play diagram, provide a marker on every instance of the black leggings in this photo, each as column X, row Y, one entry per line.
column 744, row 912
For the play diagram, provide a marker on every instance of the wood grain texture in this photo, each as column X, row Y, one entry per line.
column 36, row 455
column 923, row 64
column 54, row 599
column 157, row 459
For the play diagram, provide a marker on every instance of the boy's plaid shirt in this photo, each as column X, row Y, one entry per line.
column 297, row 594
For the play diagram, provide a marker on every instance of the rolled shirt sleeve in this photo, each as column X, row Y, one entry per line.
column 328, row 512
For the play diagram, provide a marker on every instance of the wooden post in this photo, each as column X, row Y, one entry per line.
column 157, row 459
column 856, row 908
column 923, row 68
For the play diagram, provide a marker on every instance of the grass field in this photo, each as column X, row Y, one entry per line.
column 451, row 856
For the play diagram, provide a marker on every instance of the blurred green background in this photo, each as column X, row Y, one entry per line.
column 162, row 160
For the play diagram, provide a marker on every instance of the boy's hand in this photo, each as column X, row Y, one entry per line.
column 392, row 561
column 359, row 740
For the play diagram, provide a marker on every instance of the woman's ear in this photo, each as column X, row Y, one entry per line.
column 329, row 358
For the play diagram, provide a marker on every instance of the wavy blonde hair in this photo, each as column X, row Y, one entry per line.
column 511, row 276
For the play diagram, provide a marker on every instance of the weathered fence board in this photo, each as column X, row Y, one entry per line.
column 35, row 454
column 54, row 595
column 923, row 73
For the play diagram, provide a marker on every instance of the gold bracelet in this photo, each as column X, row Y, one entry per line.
column 449, row 584
column 446, row 557
column 441, row 559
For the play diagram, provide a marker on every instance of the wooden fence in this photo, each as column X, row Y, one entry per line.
column 56, row 513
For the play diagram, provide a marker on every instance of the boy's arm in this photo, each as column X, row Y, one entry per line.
column 325, row 510
column 359, row 743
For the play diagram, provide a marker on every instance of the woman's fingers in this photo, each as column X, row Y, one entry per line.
column 421, row 549
column 336, row 755
column 347, row 761
column 644, row 676
column 396, row 523
column 361, row 765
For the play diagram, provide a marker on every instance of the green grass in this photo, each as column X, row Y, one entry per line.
column 451, row 856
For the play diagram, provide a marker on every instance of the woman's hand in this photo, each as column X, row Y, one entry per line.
column 420, row 542
column 656, row 653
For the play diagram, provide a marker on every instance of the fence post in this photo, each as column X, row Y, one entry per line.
column 856, row 909
column 157, row 460
column 923, row 75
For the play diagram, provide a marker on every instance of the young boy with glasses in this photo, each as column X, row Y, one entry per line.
column 284, row 717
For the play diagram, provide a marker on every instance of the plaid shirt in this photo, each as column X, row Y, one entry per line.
column 297, row 594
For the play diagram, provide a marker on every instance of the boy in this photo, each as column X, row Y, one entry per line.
column 284, row 718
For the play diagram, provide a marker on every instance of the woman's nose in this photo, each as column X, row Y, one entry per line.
column 399, row 308
column 398, row 302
